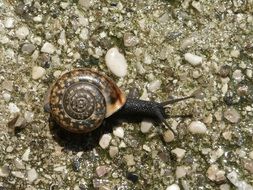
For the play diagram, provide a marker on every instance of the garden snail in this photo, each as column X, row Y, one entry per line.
column 81, row 99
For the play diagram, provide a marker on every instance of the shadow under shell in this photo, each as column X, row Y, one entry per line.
column 78, row 141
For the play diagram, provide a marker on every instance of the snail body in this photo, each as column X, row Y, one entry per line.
column 81, row 99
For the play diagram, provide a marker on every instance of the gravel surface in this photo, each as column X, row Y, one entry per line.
column 166, row 49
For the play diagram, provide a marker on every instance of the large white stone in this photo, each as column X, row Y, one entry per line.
column 116, row 62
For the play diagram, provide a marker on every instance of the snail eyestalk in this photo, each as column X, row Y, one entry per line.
column 196, row 94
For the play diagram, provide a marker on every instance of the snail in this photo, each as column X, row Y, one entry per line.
column 82, row 99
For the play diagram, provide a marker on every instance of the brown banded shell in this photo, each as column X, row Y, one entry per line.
column 80, row 100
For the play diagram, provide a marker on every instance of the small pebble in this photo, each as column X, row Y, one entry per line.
column 214, row 174
column 225, row 187
column 84, row 3
column 13, row 108
column 119, row 132
column 232, row 115
column 113, row 151
column 116, row 62
column 181, row 171
column 9, row 149
column 22, row 32
column 147, row 59
column 132, row 177
column 7, row 85
column 194, row 60
column 9, row 23
column 25, row 156
column 146, row 148
column 130, row 40
column 216, row 154
column 179, row 152
column 173, row 187
column 60, row 168
column 84, row 35
column 32, row 175
column 48, row 48
column 241, row 185
column 105, row 141
column 101, row 171
column 129, row 158
column 248, row 165
column 235, row 53
column 197, row 127
column 4, row 171
column 18, row 174
column 7, row 96
column 28, row 116
column 168, row 136
column 19, row 164
column 237, row 75
column 38, row 72
column 154, row 85
column 28, row 48
column 146, row 126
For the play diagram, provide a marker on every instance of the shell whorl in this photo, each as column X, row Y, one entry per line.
column 82, row 98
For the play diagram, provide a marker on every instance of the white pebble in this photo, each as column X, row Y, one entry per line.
column 25, row 156
column 6, row 96
column 235, row 53
column 173, row 187
column 147, row 59
column 146, row 148
column 105, row 141
column 181, row 171
column 48, row 48
column 119, row 132
column 194, row 60
column 19, row 164
column 18, row 174
column 241, row 185
column 32, row 175
column 179, row 152
column 38, row 72
column 146, row 126
column 13, row 108
column 232, row 115
column 237, row 75
column 9, row 23
column 84, row 35
column 116, row 62
column 197, row 127
column 154, row 85
column 38, row 18
column 28, row 116
column 22, row 32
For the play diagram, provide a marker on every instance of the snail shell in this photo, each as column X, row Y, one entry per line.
column 80, row 100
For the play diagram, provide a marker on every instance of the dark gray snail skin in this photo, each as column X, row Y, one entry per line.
column 82, row 99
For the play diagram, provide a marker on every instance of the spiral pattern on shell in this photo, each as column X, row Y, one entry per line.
column 81, row 99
